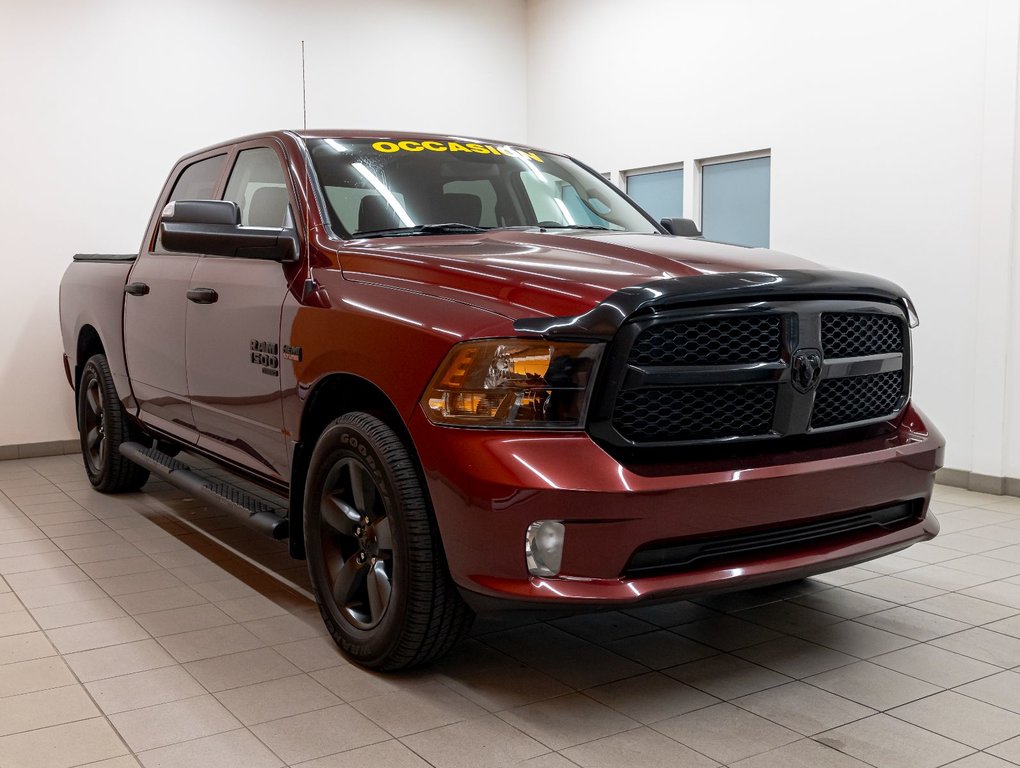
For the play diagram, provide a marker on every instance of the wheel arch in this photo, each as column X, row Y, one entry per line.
column 332, row 397
column 89, row 343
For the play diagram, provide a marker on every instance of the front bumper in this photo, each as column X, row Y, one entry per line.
column 488, row 486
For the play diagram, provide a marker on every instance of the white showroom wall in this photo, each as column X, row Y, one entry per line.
column 892, row 129
column 100, row 98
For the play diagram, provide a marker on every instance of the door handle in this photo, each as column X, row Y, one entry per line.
column 203, row 295
column 136, row 289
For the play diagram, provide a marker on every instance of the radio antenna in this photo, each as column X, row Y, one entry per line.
column 304, row 94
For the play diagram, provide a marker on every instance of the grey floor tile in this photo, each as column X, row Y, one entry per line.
column 801, row 754
column 273, row 699
column 726, row 633
column 42, row 709
column 178, row 620
column 154, row 579
column 966, row 608
column 980, row 643
column 60, row 594
column 844, row 603
column 886, row 742
column 788, row 617
column 872, row 685
column 981, row 760
column 22, row 647
column 486, row 741
column 207, row 643
column 233, row 749
column 857, row 639
column 78, row 743
column 660, row 649
column 1002, row 690
column 563, row 656
column 726, row 733
column 795, row 657
column 913, row 623
column 1007, row 750
column 961, row 718
column 482, row 674
column 650, row 698
column 803, row 708
column 137, row 603
column 310, row 655
column 238, row 669
column 727, row 677
column 143, row 689
column 391, row 754
column 417, row 708
column 895, row 590
column 117, row 660
column 173, row 722
column 34, row 675
column 96, row 634
column 639, row 747
column 79, row 612
column 603, row 627
column 936, row 665
column 567, row 721
column 317, row 734
column 1001, row 592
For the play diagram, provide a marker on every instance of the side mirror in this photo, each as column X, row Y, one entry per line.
column 681, row 227
column 214, row 227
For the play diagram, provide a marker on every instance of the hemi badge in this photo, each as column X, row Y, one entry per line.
column 292, row 353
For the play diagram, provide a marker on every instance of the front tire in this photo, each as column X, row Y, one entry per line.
column 374, row 555
column 102, row 426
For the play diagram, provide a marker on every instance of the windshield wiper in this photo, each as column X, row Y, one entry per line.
column 571, row 226
column 451, row 228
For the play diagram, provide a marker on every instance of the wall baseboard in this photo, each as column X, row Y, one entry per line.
column 974, row 481
column 36, row 450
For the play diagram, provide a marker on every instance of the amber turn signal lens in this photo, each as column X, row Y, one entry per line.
column 513, row 383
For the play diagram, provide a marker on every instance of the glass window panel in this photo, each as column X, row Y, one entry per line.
column 257, row 186
column 735, row 202
column 661, row 193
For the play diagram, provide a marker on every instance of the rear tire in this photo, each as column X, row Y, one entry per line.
column 102, row 426
column 374, row 554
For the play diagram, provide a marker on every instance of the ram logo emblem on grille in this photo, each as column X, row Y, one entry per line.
column 806, row 369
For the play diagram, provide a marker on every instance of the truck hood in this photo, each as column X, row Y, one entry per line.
column 528, row 274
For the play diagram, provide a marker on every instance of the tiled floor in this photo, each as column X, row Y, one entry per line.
column 127, row 638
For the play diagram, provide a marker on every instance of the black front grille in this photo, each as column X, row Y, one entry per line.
column 677, row 556
column 856, row 334
column 857, row 398
column 710, row 341
column 699, row 375
column 694, row 413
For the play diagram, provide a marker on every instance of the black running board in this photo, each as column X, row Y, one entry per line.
column 251, row 510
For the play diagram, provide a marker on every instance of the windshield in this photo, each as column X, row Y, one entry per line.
column 391, row 188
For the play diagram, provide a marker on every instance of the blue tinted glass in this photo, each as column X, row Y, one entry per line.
column 735, row 202
column 660, row 193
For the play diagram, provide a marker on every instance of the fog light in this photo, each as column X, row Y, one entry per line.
column 543, row 547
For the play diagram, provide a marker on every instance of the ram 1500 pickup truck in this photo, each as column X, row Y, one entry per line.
column 459, row 374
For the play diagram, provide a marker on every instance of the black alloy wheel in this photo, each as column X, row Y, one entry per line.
column 103, row 425
column 357, row 543
column 375, row 558
column 94, row 440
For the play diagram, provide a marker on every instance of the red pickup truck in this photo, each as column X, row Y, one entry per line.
column 461, row 374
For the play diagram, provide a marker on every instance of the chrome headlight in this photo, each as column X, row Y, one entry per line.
column 513, row 383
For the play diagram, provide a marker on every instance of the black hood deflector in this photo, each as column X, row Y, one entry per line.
column 603, row 321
